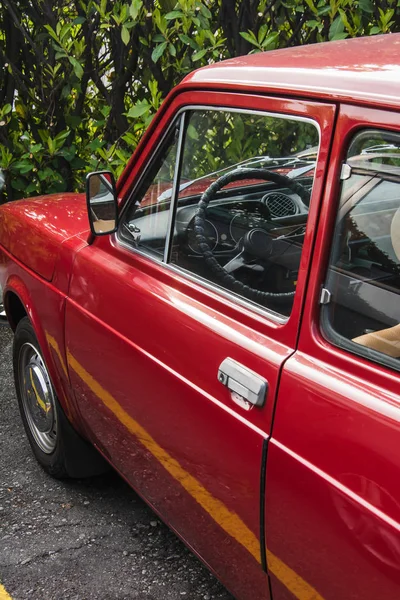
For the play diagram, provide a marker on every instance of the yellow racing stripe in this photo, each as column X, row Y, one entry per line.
column 53, row 344
column 230, row 522
column 3, row 593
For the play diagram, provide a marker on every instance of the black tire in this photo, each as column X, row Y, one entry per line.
column 57, row 447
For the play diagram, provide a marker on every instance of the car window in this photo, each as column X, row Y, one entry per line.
column 362, row 290
column 240, row 203
column 145, row 223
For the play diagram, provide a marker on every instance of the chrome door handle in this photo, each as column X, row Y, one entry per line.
column 240, row 380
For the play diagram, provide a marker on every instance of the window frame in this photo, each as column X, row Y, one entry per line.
column 328, row 332
column 241, row 301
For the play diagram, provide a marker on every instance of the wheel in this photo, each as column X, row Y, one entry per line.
column 56, row 445
column 256, row 244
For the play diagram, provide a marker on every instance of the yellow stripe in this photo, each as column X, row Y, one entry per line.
column 230, row 522
column 53, row 344
column 291, row 580
column 3, row 594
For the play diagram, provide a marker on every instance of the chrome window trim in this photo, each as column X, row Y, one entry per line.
column 174, row 192
column 215, row 108
column 236, row 299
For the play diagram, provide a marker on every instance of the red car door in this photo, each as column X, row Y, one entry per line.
column 162, row 357
column 333, row 486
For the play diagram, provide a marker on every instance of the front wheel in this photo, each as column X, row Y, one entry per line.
column 56, row 445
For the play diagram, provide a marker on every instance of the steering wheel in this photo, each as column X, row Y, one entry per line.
column 256, row 243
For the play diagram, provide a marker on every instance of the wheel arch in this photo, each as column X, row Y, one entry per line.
column 18, row 303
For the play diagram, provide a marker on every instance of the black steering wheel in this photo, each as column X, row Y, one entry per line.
column 256, row 243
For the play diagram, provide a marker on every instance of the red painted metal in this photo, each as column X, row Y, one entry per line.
column 362, row 70
column 332, row 464
column 34, row 230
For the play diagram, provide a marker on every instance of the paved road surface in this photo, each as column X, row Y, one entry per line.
column 82, row 539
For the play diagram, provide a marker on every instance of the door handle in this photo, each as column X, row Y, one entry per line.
column 247, row 387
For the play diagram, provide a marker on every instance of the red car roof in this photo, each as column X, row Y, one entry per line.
column 366, row 70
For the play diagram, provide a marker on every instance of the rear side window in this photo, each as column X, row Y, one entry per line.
column 361, row 309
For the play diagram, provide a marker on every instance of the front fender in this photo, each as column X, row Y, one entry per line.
column 45, row 307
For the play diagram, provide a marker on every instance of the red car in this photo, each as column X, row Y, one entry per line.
column 222, row 326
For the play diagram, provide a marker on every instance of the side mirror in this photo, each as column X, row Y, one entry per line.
column 102, row 202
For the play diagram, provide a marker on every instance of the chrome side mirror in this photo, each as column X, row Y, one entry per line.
column 102, row 204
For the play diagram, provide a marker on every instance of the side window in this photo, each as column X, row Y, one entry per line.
column 146, row 221
column 362, row 312
column 243, row 201
column 239, row 208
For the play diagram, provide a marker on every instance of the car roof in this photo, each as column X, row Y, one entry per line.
column 365, row 69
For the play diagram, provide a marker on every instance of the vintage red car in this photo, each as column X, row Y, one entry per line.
column 222, row 326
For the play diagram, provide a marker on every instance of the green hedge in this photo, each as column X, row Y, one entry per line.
column 81, row 80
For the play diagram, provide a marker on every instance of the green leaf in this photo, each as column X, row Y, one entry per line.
column 311, row 6
column 336, row 28
column 366, row 6
column 262, row 33
column 23, row 167
column 78, row 20
column 51, row 145
column 188, row 41
column 172, row 50
column 134, row 8
column 374, row 30
column 199, row 55
column 65, row 29
column 95, row 144
column 249, row 37
column 137, row 111
column 18, row 184
column 77, row 163
column 158, row 51
column 31, row 188
column 345, row 21
column 270, row 40
column 73, row 121
column 125, row 35
column 60, row 137
column 324, row 10
column 68, row 153
column 340, row 36
column 52, row 32
column 205, row 12
column 174, row 14
column 76, row 66
column 35, row 148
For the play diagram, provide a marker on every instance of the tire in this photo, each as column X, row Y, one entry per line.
column 58, row 448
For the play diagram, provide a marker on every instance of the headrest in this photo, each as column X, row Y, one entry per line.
column 395, row 233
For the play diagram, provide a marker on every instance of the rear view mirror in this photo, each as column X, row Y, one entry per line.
column 102, row 202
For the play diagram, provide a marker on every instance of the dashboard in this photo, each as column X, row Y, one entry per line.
column 228, row 220
column 263, row 221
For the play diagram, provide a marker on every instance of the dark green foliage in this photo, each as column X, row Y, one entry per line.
column 81, row 80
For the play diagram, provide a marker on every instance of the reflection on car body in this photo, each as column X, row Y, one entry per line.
column 223, row 327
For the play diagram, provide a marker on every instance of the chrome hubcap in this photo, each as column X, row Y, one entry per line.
column 37, row 398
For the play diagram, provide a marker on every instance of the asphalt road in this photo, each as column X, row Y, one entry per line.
column 82, row 539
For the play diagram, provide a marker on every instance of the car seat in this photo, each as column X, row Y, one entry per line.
column 386, row 340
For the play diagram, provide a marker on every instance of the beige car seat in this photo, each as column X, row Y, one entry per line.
column 386, row 340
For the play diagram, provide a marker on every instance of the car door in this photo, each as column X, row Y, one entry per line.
column 333, row 487
column 175, row 370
